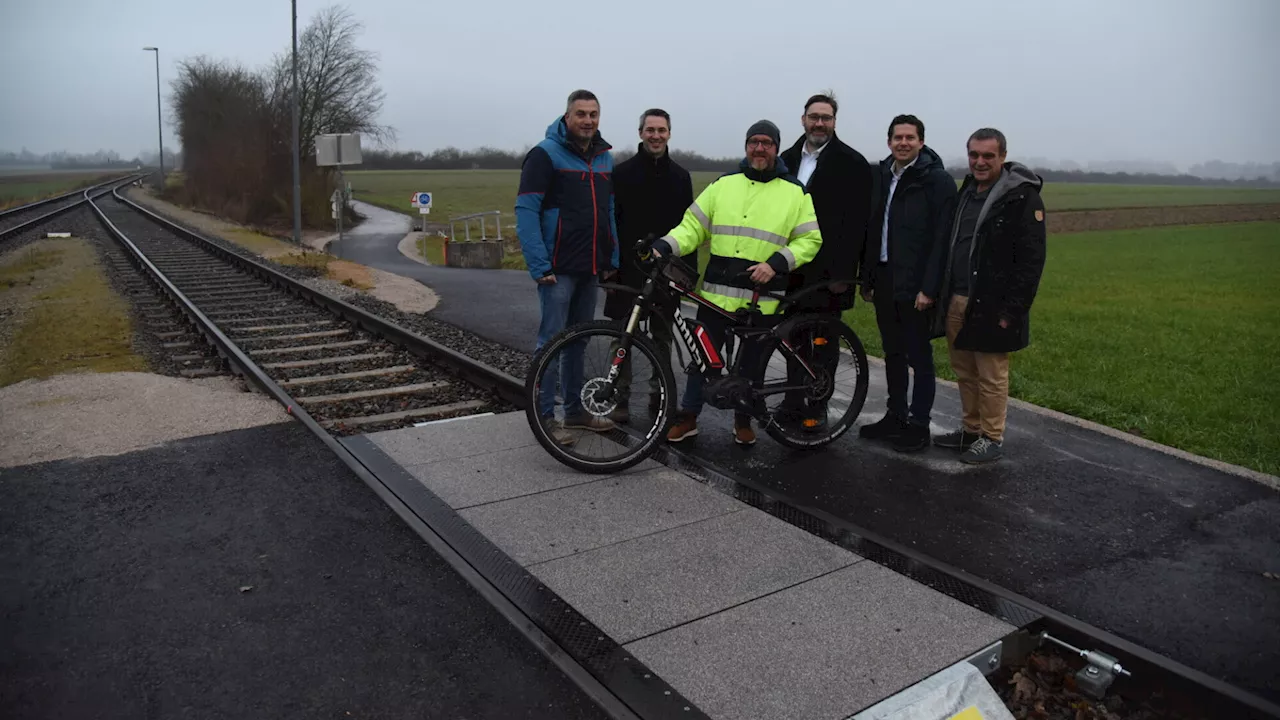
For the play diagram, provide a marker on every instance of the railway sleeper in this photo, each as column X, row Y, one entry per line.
column 294, row 364
column 392, row 391
column 283, row 326
column 434, row 411
column 339, row 377
column 309, row 348
column 296, row 336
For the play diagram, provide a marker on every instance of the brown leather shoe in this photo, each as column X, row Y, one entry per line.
column 686, row 425
column 742, row 432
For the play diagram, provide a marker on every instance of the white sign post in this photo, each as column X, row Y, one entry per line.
column 338, row 149
column 422, row 201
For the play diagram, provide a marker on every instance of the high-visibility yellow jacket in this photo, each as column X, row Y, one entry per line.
column 749, row 217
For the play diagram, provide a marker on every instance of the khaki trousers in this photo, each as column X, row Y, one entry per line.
column 983, row 379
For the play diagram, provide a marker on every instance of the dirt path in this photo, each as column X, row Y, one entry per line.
column 1069, row 221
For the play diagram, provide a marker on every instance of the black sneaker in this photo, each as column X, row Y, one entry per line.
column 886, row 428
column 913, row 438
column 959, row 440
column 983, row 450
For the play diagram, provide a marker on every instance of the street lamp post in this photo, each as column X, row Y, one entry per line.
column 159, row 123
column 297, row 174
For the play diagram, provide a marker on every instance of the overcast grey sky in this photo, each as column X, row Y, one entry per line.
column 1183, row 81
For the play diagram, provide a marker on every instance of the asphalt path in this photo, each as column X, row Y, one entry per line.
column 243, row 574
column 498, row 305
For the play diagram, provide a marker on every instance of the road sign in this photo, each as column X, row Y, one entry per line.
column 338, row 149
column 421, row 199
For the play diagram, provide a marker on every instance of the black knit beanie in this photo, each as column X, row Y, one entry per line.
column 764, row 127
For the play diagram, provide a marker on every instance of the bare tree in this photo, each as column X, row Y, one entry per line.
column 338, row 90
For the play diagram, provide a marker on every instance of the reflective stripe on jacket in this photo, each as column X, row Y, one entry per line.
column 749, row 218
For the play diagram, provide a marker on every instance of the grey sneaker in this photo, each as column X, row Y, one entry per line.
column 959, row 440
column 587, row 421
column 983, row 450
column 558, row 434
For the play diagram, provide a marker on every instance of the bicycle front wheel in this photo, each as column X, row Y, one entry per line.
column 587, row 419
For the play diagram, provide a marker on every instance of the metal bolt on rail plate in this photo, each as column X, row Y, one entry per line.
column 1094, row 678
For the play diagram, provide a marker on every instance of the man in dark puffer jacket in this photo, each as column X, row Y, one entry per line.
column 992, row 271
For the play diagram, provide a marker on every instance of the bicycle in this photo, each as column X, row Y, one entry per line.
column 807, row 342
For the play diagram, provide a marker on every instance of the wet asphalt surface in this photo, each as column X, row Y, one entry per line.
column 498, row 305
column 1163, row 552
column 122, row 595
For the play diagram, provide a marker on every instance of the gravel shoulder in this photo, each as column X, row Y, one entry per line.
column 81, row 415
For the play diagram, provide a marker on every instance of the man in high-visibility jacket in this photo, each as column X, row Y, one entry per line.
column 760, row 222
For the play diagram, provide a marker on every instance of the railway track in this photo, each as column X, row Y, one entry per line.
column 25, row 217
column 347, row 370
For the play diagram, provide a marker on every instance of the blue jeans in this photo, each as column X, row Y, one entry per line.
column 570, row 301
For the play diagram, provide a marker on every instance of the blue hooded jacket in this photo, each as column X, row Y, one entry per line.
column 564, row 210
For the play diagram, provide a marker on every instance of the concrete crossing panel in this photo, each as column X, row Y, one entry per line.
column 823, row 649
column 576, row 519
column 650, row 584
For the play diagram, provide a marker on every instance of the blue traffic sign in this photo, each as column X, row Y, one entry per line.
column 424, row 198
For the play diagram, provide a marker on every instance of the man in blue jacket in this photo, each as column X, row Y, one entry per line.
column 564, row 219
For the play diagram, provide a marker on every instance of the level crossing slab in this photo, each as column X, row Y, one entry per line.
column 742, row 613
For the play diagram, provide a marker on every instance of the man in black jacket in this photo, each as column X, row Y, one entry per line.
column 991, row 272
column 900, row 274
column 843, row 188
column 651, row 193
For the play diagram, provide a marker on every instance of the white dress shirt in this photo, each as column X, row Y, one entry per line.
column 808, row 162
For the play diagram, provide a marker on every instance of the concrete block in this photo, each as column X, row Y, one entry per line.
column 655, row 582
column 558, row 523
column 501, row 475
column 826, row 648
column 474, row 254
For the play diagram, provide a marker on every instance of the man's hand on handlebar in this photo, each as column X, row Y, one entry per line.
column 761, row 273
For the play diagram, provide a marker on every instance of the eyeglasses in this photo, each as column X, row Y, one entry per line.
column 760, row 143
column 814, row 117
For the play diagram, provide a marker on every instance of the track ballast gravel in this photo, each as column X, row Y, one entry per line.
column 251, row 311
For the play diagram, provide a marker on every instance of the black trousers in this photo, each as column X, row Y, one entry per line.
column 904, row 333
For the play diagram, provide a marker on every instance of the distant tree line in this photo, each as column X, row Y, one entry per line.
column 236, row 124
column 489, row 158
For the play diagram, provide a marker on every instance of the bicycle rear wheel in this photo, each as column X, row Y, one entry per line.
column 572, row 412
column 822, row 407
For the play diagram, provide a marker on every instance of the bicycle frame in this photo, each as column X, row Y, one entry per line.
column 700, row 345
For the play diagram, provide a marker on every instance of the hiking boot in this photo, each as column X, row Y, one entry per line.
column 958, row 440
column 586, row 421
column 983, row 450
column 742, row 432
column 558, row 434
column 886, row 428
column 686, row 426
column 913, row 438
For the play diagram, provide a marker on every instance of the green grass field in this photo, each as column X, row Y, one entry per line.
column 462, row 192
column 1167, row 332
column 19, row 189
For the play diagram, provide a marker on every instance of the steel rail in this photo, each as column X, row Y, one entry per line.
column 84, row 197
